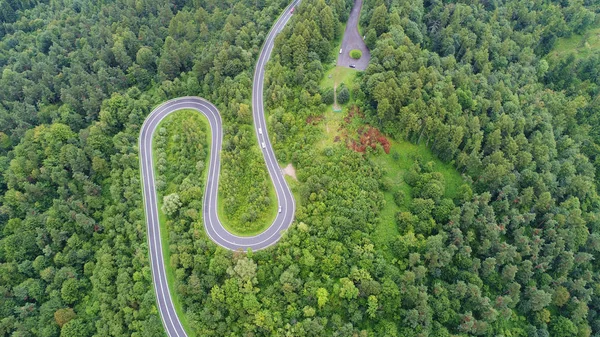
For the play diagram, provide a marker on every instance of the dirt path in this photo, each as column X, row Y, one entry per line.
column 336, row 107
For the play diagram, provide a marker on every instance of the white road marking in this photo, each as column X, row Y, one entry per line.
column 213, row 226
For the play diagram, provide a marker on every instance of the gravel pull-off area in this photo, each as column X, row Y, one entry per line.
column 353, row 40
column 290, row 171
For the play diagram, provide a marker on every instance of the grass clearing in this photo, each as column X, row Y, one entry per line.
column 580, row 45
column 401, row 158
column 338, row 75
column 332, row 121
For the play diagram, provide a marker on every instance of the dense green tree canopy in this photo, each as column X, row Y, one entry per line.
column 510, row 250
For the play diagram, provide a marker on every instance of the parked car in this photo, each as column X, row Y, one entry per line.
column 340, row 50
column 353, row 66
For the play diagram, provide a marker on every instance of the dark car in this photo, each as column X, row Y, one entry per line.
column 353, row 66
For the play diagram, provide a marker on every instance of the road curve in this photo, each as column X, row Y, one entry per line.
column 212, row 224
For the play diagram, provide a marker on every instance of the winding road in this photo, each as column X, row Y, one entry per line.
column 213, row 226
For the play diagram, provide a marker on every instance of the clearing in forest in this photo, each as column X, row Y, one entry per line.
column 580, row 45
column 395, row 157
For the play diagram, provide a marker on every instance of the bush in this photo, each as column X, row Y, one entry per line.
column 399, row 197
column 171, row 204
column 327, row 96
column 386, row 185
column 355, row 54
column 432, row 189
column 343, row 96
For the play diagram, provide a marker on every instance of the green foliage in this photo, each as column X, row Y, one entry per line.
column 347, row 289
column 509, row 250
column 561, row 296
column 79, row 80
column 378, row 19
column 399, row 197
column 581, row 45
column 400, row 167
column 75, row 328
column 480, row 133
column 327, row 96
column 247, row 197
column 355, row 54
column 56, row 187
column 562, row 327
column 171, row 204
column 322, row 297
column 70, row 291
column 338, row 75
column 343, row 95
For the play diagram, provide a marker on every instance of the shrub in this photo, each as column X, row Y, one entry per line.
column 343, row 96
column 355, row 54
column 399, row 197
column 327, row 96
column 171, row 204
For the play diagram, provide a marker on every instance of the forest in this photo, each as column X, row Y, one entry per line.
column 510, row 251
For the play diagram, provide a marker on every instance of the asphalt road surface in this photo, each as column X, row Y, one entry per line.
column 353, row 40
column 213, row 226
